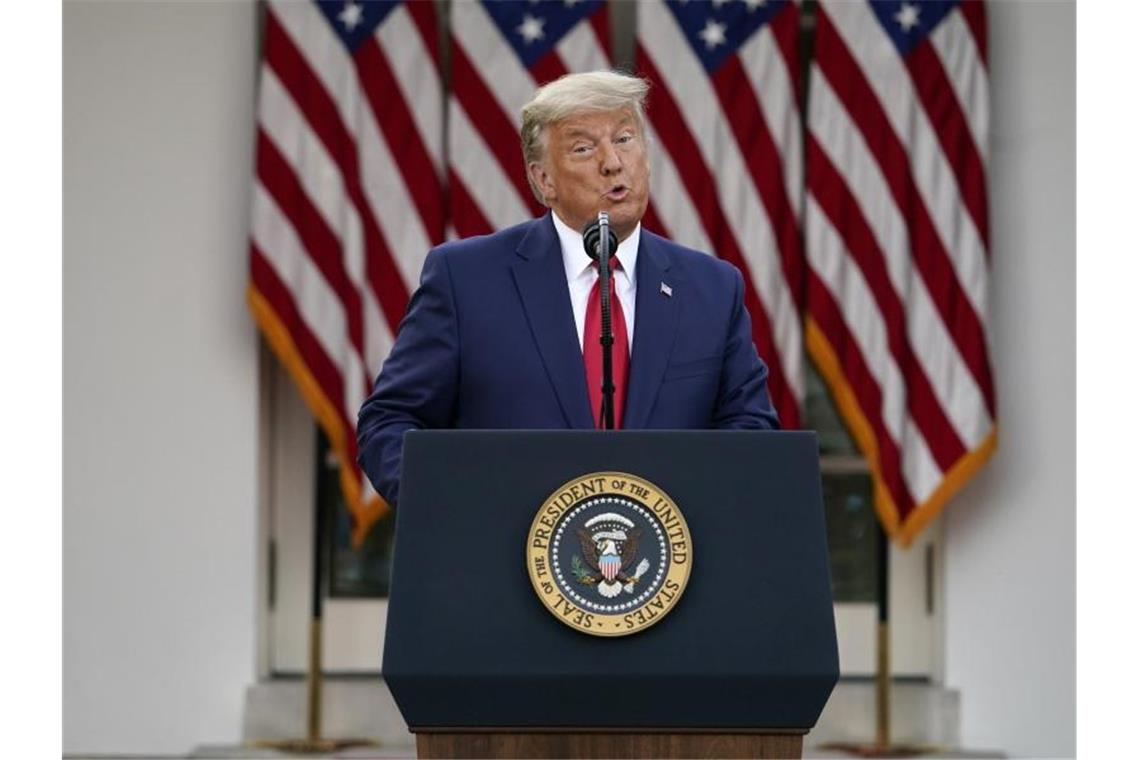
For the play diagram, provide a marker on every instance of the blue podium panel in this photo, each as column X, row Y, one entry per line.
column 749, row 645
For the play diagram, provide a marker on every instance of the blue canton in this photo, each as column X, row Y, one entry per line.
column 715, row 30
column 354, row 21
column 909, row 22
column 533, row 28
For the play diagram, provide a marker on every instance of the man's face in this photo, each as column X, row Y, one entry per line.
column 595, row 162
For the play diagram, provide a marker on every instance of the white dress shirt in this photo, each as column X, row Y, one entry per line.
column 581, row 275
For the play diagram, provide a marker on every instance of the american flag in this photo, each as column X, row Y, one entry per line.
column 727, row 164
column 501, row 52
column 347, row 200
column 897, row 245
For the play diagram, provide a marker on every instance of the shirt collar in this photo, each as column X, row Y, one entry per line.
column 577, row 261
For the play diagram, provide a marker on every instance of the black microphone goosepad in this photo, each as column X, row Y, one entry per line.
column 592, row 237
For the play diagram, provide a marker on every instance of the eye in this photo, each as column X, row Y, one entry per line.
column 580, row 148
column 624, row 139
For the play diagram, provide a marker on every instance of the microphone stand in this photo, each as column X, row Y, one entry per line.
column 607, row 324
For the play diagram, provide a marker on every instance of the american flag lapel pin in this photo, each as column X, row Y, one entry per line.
column 668, row 291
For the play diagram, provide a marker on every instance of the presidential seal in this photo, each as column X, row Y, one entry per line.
column 609, row 554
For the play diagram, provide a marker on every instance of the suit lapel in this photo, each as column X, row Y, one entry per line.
column 541, row 281
column 654, row 330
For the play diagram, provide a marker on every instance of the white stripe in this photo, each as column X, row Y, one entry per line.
column 316, row 301
column 322, row 182
column 384, row 190
column 936, row 183
column 737, row 194
column 920, row 471
column 832, row 262
column 489, row 187
column 416, row 76
column 580, row 49
column 953, row 384
column 954, row 43
column 671, row 199
column 391, row 202
column 325, row 55
column 771, row 82
column 494, row 60
column 830, row 259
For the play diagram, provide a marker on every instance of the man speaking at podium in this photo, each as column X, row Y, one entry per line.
column 504, row 330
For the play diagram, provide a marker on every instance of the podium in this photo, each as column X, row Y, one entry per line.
column 740, row 666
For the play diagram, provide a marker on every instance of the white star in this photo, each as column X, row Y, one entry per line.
column 907, row 16
column 713, row 34
column 531, row 28
column 351, row 16
column 718, row 3
column 754, row 4
column 571, row 3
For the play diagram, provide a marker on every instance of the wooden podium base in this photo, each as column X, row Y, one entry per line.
column 602, row 743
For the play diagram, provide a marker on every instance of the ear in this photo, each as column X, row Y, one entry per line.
column 542, row 180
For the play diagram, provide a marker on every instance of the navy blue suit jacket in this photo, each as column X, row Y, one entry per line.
column 489, row 341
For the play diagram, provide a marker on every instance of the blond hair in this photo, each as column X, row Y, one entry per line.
column 573, row 94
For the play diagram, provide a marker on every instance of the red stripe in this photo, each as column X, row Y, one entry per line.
column 974, row 14
column 765, row 165
column 930, row 256
column 488, row 118
column 322, row 115
column 320, row 242
column 600, row 23
column 548, row 68
column 686, row 155
column 785, row 26
column 652, row 222
column 324, row 371
column 834, row 197
column 424, row 17
column 402, row 135
column 466, row 217
column 936, row 93
column 863, row 384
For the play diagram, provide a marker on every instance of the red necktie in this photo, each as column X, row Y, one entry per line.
column 592, row 349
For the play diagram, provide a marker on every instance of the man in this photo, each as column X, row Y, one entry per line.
column 503, row 331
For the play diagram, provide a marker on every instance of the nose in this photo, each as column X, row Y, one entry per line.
column 610, row 160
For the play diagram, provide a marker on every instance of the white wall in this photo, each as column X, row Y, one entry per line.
column 160, row 376
column 1010, row 550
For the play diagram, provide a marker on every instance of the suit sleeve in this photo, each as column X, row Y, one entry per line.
column 416, row 388
column 742, row 401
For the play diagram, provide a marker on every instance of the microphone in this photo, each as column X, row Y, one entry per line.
column 592, row 237
column 601, row 243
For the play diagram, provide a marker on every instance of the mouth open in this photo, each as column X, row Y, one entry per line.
column 617, row 193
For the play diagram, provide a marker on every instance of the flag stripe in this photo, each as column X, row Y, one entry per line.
column 762, row 157
column 841, row 209
column 848, row 33
column 936, row 94
column 494, row 195
column 401, row 133
column 319, row 242
column 401, row 39
column 771, row 71
column 501, row 136
column 321, row 113
column 974, row 14
column 886, row 458
column 930, row 256
column 966, row 72
column 466, row 216
column 896, row 230
column 264, row 277
column 842, row 144
column 682, row 146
